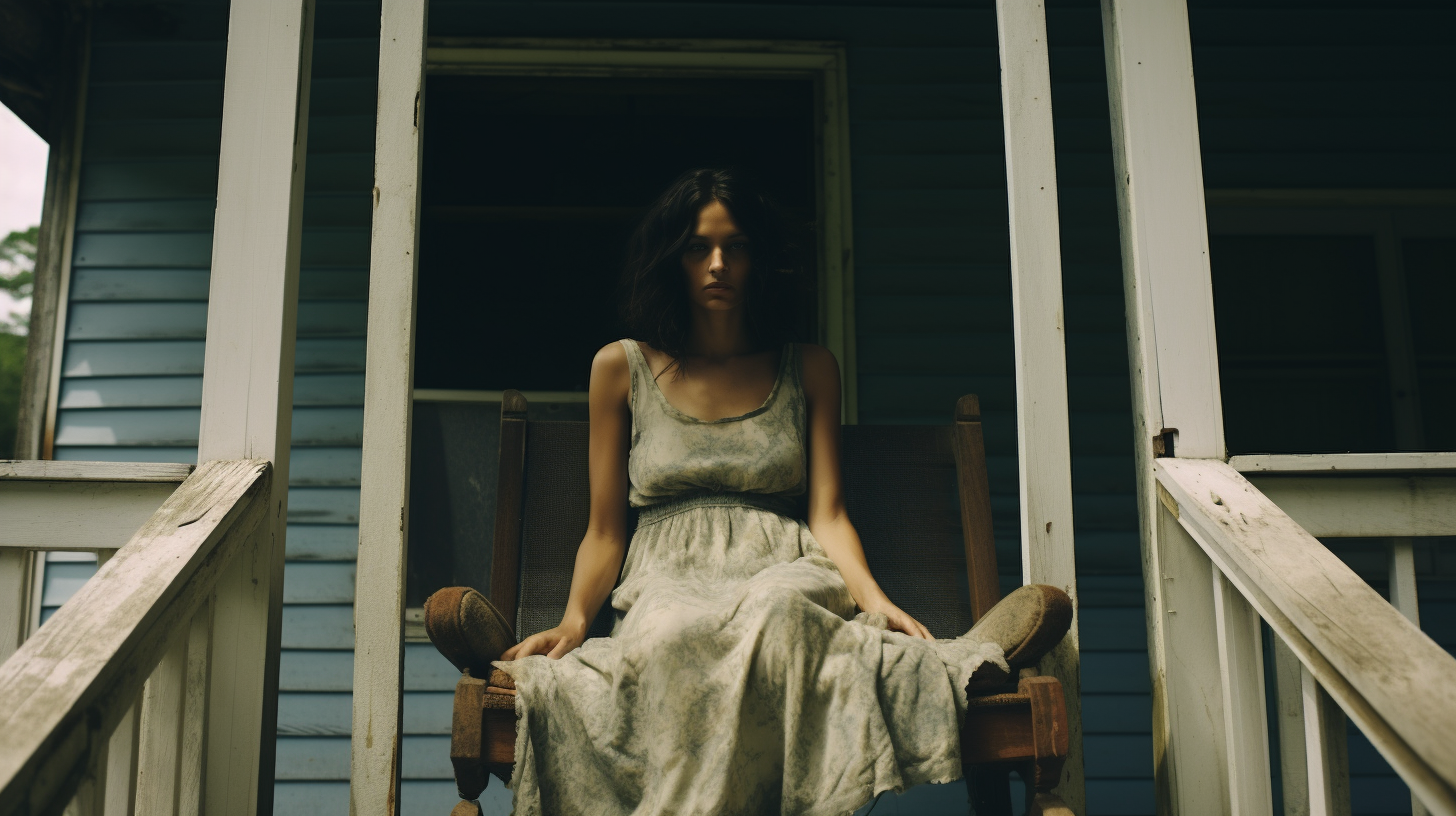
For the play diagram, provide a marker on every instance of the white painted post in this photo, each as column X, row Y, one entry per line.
column 1241, row 674
column 1190, row 759
column 1327, row 765
column 1317, row 760
column 161, row 732
column 1403, row 598
column 388, row 388
column 836, row 273
column 1043, row 436
column 121, row 766
column 16, row 580
column 247, row 383
column 1403, row 579
column 118, row 786
column 1173, row 358
column 1328, row 789
column 194, row 713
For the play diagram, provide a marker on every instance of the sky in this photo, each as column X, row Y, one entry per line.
column 22, row 186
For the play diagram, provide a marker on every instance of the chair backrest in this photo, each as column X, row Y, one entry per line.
column 917, row 494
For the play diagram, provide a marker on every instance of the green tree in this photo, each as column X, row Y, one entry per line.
column 17, row 278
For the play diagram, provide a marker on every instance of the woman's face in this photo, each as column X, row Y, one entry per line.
column 716, row 261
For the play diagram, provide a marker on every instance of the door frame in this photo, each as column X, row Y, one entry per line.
column 822, row 63
column 406, row 55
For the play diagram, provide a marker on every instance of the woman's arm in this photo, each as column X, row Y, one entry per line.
column 599, row 559
column 828, row 521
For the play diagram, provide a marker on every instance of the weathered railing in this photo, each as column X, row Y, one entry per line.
column 1340, row 646
column 77, row 727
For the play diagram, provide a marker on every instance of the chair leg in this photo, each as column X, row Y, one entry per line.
column 1042, row 802
column 989, row 790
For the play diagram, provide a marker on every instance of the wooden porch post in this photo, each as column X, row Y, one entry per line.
column 388, row 391
column 1210, row 753
column 1043, row 437
column 247, row 382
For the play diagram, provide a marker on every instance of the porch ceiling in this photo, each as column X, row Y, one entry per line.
column 32, row 34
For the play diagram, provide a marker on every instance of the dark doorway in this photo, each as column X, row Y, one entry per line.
column 531, row 188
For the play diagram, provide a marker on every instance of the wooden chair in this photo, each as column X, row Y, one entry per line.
column 918, row 496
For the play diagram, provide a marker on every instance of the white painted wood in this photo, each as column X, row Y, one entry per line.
column 1164, row 226
column 71, row 684
column 1403, row 579
column 160, row 742
column 247, row 381
column 1388, row 676
column 75, row 515
column 822, row 62
column 59, row 471
column 1043, row 445
column 388, row 408
column 121, row 765
column 1327, row 762
column 1317, row 761
column 1333, row 760
column 1403, row 598
column 1365, row 506
column 1175, row 391
column 1189, row 754
column 118, row 786
column 1343, row 463
column 53, row 266
column 16, row 581
column 37, row 587
column 171, row 745
column 190, row 781
column 1241, row 674
column 1289, row 719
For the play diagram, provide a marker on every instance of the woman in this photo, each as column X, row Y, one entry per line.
column 755, row 666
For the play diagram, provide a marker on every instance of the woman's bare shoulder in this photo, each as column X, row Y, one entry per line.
column 610, row 371
column 818, row 360
column 820, row 370
column 612, row 356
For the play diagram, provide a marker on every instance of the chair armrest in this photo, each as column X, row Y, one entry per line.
column 1027, row 726
column 467, row 726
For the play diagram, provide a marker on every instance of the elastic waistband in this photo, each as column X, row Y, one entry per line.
column 654, row 513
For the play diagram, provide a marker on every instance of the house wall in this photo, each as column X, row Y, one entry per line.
column 932, row 284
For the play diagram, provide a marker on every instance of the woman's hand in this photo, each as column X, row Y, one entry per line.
column 899, row 620
column 553, row 643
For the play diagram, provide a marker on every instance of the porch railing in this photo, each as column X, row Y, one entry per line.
column 106, row 706
column 1340, row 648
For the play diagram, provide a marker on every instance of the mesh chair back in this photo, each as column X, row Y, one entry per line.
column 901, row 493
column 556, row 505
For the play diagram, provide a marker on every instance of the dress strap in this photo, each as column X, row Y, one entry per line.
column 638, row 371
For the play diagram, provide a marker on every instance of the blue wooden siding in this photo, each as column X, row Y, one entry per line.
column 1288, row 98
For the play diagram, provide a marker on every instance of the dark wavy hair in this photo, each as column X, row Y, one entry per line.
column 654, row 298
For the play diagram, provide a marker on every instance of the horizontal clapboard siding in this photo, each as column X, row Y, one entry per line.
column 137, row 317
column 1326, row 97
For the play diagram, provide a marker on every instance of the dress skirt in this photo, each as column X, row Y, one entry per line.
column 738, row 680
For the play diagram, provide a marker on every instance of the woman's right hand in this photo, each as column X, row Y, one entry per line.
column 553, row 643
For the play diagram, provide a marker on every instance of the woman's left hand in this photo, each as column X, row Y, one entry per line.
column 899, row 620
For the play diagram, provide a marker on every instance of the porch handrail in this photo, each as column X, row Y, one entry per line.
column 1391, row 679
column 69, row 686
